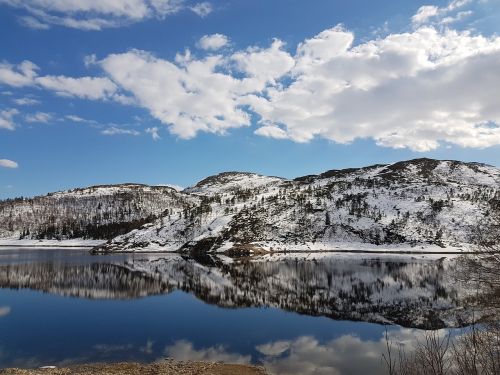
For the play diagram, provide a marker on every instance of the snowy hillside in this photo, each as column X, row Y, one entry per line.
column 98, row 212
column 412, row 205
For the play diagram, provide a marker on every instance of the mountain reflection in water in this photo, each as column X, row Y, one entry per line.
column 406, row 291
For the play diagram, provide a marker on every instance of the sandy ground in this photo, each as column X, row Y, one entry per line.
column 162, row 368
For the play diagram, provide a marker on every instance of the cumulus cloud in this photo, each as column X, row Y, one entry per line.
column 184, row 350
column 213, row 42
column 265, row 64
column 113, row 130
column 190, row 98
column 409, row 90
column 6, row 163
column 93, row 14
column 39, row 117
column 416, row 90
column 202, row 9
column 7, row 118
column 192, row 95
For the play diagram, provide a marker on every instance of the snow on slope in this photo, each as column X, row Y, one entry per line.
column 97, row 212
column 414, row 205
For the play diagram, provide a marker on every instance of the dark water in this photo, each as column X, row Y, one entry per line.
column 295, row 316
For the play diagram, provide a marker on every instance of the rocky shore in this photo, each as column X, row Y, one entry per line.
column 161, row 368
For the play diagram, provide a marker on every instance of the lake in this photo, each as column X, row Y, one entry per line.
column 294, row 313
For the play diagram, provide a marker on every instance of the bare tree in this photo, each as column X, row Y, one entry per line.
column 477, row 350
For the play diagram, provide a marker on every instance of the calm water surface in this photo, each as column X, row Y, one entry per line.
column 295, row 316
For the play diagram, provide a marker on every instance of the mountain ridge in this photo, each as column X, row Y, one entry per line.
column 415, row 202
column 408, row 203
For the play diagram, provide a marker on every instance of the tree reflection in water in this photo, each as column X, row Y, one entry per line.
column 398, row 290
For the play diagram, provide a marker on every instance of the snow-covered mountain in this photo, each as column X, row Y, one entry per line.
column 410, row 205
column 97, row 212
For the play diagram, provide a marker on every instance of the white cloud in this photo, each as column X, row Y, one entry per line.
column 79, row 119
column 424, row 13
column 26, row 74
column 271, row 132
column 416, row 90
column 202, row 9
column 26, row 101
column 213, row 42
column 409, row 90
column 189, row 98
column 90, row 60
column 18, row 75
column 184, row 350
column 154, row 133
column 265, row 64
column 6, row 163
column 429, row 13
column 84, row 87
column 458, row 17
column 198, row 95
column 7, row 118
column 113, row 130
column 75, row 118
column 33, row 23
column 91, row 14
column 39, row 117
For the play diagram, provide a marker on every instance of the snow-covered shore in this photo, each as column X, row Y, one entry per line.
column 12, row 242
column 263, row 248
column 366, row 247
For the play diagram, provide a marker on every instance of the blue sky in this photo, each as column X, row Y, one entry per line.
column 108, row 94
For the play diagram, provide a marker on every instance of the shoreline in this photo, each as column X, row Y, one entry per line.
column 166, row 367
column 75, row 243
column 338, row 248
